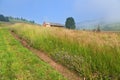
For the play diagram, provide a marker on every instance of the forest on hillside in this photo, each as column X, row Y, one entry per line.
column 13, row 19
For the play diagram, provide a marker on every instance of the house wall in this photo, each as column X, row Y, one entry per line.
column 51, row 25
column 46, row 24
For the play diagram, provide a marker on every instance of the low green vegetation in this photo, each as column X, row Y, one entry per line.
column 95, row 56
column 18, row 63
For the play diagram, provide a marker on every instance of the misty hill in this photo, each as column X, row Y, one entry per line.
column 104, row 25
column 111, row 27
column 89, row 25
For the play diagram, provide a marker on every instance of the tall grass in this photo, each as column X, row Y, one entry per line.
column 92, row 55
column 18, row 63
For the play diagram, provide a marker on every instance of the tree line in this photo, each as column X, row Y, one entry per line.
column 3, row 18
column 10, row 18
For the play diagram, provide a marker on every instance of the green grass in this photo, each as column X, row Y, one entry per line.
column 18, row 63
column 95, row 56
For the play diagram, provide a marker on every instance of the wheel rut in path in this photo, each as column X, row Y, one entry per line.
column 61, row 69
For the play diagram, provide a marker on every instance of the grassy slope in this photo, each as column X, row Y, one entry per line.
column 92, row 55
column 18, row 63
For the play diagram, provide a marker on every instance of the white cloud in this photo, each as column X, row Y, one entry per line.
column 110, row 8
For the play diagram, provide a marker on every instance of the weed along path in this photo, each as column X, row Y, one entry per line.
column 18, row 63
column 63, row 70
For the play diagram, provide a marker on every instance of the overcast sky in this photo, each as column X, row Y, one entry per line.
column 59, row 10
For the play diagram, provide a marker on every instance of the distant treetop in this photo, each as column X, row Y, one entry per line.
column 70, row 23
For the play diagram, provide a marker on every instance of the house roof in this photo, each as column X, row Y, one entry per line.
column 54, row 24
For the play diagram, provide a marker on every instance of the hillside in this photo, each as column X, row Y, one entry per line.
column 89, row 25
column 19, row 20
column 111, row 27
column 91, row 55
column 14, row 20
column 18, row 63
column 104, row 25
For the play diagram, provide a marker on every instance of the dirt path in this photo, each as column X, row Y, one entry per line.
column 63, row 70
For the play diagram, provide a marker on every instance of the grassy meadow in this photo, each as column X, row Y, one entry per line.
column 18, row 63
column 93, row 55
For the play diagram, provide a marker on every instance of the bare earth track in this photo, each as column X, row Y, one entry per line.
column 63, row 70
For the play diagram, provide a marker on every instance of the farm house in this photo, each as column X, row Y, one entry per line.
column 48, row 24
